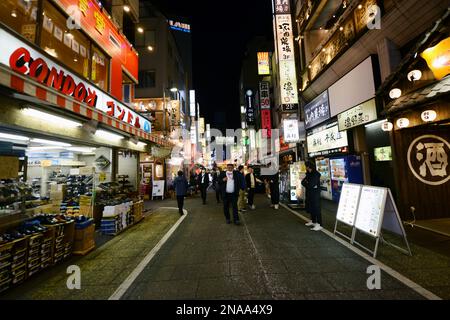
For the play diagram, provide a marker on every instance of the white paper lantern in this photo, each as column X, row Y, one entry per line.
column 395, row 93
column 428, row 115
column 403, row 122
column 387, row 126
column 414, row 75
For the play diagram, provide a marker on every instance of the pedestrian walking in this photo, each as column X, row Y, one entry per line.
column 229, row 183
column 203, row 183
column 216, row 184
column 275, row 190
column 251, row 181
column 312, row 185
column 180, row 185
column 241, row 201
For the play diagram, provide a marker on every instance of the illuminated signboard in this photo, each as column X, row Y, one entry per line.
column 264, row 95
column 359, row 115
column 317, row 110
column 290, row 130
column 263, row 63
column 327, row 139
column 179, row 26
column 27, row 61
column 286, row 59
column 383, row 154
column 438, row 58
column 192, row 103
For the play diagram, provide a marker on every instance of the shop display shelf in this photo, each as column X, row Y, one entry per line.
column 5, row 257
column 16, row 272
column 19, row 278
column 5, row 264
column 5, row 275
column 5, row 285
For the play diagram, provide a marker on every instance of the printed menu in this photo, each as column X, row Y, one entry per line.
column 348, row 203
column 371, row 209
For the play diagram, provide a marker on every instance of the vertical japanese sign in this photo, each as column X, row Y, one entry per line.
column 285, row 50
column 266, row 123
column 264, row 101
column 192, row 103
column 250, row 113
column 290, row 130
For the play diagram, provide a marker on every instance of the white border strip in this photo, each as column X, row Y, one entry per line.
column 120, row 291
column 407, row 282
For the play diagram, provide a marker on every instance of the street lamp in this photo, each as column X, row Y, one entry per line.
column 173, row 89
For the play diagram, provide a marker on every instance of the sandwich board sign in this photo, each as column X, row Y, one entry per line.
column 370, row 210
column 158, row 188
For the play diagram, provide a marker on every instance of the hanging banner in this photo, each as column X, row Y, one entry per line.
column 286, row 59
column 263, row 63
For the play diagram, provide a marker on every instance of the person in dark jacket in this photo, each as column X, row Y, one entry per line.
column 274, row 183
column 230, row 184
column 250, row 181
column 216, row 184
column 312, row 185
column 241, row 200
column 180, row 185
column 203, row 183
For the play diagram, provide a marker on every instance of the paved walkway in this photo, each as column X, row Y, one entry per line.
column 271, row 255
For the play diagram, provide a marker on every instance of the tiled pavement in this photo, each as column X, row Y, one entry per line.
column 272, row 255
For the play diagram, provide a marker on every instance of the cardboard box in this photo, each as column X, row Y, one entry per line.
column 57, row 195
column 84, row 239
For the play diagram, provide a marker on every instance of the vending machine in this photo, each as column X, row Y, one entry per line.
column 345, row 169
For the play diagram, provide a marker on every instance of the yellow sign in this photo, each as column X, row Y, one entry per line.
column 46, row 163
column 263, row 63
column 438, row 58
column 99, row 22
column 102, row 176
column 83, row 6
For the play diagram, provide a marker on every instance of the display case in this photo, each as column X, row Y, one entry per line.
column 323, row 167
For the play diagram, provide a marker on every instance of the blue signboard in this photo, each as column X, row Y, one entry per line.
column 317, row 110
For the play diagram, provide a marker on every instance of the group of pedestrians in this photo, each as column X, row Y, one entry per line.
column 232, row 185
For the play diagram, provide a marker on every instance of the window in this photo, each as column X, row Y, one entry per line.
column 100, row 68
column 145, row 39
column 147, row 79
column 71, row 47
column 20, row 15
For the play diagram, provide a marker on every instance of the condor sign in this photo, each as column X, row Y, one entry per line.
column 27, row 61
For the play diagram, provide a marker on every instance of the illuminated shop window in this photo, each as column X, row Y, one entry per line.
column 100, row 68
column 20, row 16
column 71, row 47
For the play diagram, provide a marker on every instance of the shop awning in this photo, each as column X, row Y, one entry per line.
column 49, row 96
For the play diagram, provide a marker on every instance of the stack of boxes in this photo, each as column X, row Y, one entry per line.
column 34, row 254
column 116, row 218
column 19, row 261
column 5, row 265
column 85, row 206
column 57, row 195
column 59, row 243
column 138, row 209
column 47, row 249
column 84, row 237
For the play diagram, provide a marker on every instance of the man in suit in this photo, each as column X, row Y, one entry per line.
column 181, row 186
column 250, row 181
column 230, row 185
column 203, row 183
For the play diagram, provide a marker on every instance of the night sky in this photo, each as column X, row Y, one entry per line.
column 220, row 31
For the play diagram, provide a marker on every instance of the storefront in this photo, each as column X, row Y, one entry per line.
column 69, row 146
column 418, row 116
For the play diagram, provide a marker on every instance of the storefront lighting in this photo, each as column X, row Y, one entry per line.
column 403, row 122
column 46, row 148
column 47, row 117
column 150, row 48
column 141, row 144
column 387, row 126
column 81, row 149
column 414, row 75
column 428, row 115
column 173, row 89
column 375, row 124
column 242, row 109
column 395, row 93
column 13, row 137
column 75, row 60
column 126, row 8
column 360, row 6
column 51, row 143
column 14, row 14
column 341, row 29
column 108, row 135
column 140, row 30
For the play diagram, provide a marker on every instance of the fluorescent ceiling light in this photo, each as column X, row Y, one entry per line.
column 31, row 149
column 141, row 144
column 81, row 149
column 373, row 124
column 51, row 118
column 51, row 143
column 108, row 135
column 13, row 137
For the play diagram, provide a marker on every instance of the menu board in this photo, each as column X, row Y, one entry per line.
column 348, row 203
column 370, row 210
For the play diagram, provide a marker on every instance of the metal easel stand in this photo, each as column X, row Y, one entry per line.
column 382, row 240
column 350, row 238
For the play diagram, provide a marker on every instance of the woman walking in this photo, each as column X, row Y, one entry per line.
column 180, row 185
